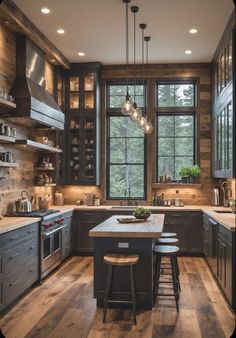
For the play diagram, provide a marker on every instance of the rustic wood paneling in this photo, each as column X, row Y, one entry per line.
column 7, row 58
column 199, row 72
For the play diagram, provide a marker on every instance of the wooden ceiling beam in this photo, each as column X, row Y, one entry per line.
column 27, row 27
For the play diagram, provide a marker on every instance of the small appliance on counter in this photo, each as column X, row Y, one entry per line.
column 58, row 198
column 215, row 197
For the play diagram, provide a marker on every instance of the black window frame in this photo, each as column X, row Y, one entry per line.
column 177, row 111
column 113, row 112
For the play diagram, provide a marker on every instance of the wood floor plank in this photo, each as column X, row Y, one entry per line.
column 64, row 307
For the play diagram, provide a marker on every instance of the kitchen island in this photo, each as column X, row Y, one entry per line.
column 132, row 238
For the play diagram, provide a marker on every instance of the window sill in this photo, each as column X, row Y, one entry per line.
column 175, row 184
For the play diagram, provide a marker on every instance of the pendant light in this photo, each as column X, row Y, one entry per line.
column 127, row 104
column 148, row 127
column 142, row 121
column 136, row 111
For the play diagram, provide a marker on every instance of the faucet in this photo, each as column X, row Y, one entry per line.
column 224, row 190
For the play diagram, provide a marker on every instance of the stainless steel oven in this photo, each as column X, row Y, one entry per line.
column 51, row 243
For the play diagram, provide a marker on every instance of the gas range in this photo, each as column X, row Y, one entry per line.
column 43, row 213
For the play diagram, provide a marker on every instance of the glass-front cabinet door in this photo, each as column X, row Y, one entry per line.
column 82, row 92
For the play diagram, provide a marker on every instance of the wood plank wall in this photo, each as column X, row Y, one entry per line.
column 22, row 178
column 199, row 72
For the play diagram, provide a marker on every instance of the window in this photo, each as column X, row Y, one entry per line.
column 175, row 126
column 126, row 170
column 117, row 92
column 125, row 159
column 175, row 95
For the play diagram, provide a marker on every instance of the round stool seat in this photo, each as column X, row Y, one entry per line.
column 167, row 241
column 120, row 259
column 165, row 249
column 168, row 234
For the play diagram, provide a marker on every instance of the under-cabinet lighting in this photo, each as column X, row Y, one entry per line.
column 81, row 54
column 193, row 31
column 60, row 31
column 188, row 51
column 45, row 10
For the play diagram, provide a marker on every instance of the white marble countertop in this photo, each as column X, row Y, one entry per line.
column 150, row 228
column 226, row 219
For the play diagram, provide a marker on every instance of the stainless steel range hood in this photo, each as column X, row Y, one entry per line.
column 33, row 102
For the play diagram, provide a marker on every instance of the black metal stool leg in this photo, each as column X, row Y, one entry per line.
column 108, row 289
column 177, row 271
column 175, row 282
column 133, row 293
column 156, row 277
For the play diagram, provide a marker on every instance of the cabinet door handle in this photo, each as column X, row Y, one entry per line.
column 13, row 238
column 32, row 269
column 13, row 256
column 30, row 231
column 32, row 247
column 13, row 283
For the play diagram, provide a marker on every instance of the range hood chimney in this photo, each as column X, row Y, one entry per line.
column 33, row 102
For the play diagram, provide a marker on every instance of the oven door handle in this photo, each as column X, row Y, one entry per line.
column 46, row 234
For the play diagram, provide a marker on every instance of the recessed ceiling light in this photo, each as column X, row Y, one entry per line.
column 7, row 22
column 53, row 60
column 193, row 31
column 45, row 10
column 188, row 51
column 60, row 31
column 81, row 54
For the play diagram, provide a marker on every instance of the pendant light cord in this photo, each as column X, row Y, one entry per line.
column 127, row 48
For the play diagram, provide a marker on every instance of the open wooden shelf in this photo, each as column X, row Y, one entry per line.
column 32, row 145
column 8, row 165
column 6, row 104
column 177, row 185
column 45, row 185
column 7, row 139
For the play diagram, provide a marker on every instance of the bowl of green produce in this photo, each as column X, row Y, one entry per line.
column 141, row 213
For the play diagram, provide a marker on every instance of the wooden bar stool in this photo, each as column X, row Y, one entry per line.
column 161, row 251
column 119, row 260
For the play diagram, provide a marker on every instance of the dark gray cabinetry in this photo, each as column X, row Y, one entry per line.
column 19, row 255
column 187, row 225
column 226, row 263
column 1, row 274
column 67, row 236
column 209, row 238
column 85, row 221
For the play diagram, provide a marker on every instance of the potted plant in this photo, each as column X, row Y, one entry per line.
column 194, row 171
column 184, row 173
column 189, row 173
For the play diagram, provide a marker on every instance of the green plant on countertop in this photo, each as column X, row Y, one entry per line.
column 142, row 212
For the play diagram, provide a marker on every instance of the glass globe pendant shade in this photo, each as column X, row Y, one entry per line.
column 148, row 128
column 136, row 113
column 142, row 122
column 127, row 105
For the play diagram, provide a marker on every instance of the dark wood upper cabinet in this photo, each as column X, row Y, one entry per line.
column 223, row 105
column 82, row 124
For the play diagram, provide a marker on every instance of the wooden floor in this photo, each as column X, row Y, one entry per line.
column 63, row 307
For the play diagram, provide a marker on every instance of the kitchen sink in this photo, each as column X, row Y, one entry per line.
column 223, row 211
column 122, row 207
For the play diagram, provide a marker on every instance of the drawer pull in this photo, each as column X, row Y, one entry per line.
column 13, row 238
column 175, row 215
column 32, row 247
column 13, row 256
column 30, row 231
column 13, row 283
column 32, row 269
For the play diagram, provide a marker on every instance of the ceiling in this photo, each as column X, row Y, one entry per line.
column 97, row 28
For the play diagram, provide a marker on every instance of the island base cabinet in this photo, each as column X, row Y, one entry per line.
column 121, row 288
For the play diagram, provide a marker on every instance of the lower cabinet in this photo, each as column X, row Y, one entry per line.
column 67, row 236
column 225, row 263
column 19, row 269
column 84, row 222
column 187, row 226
